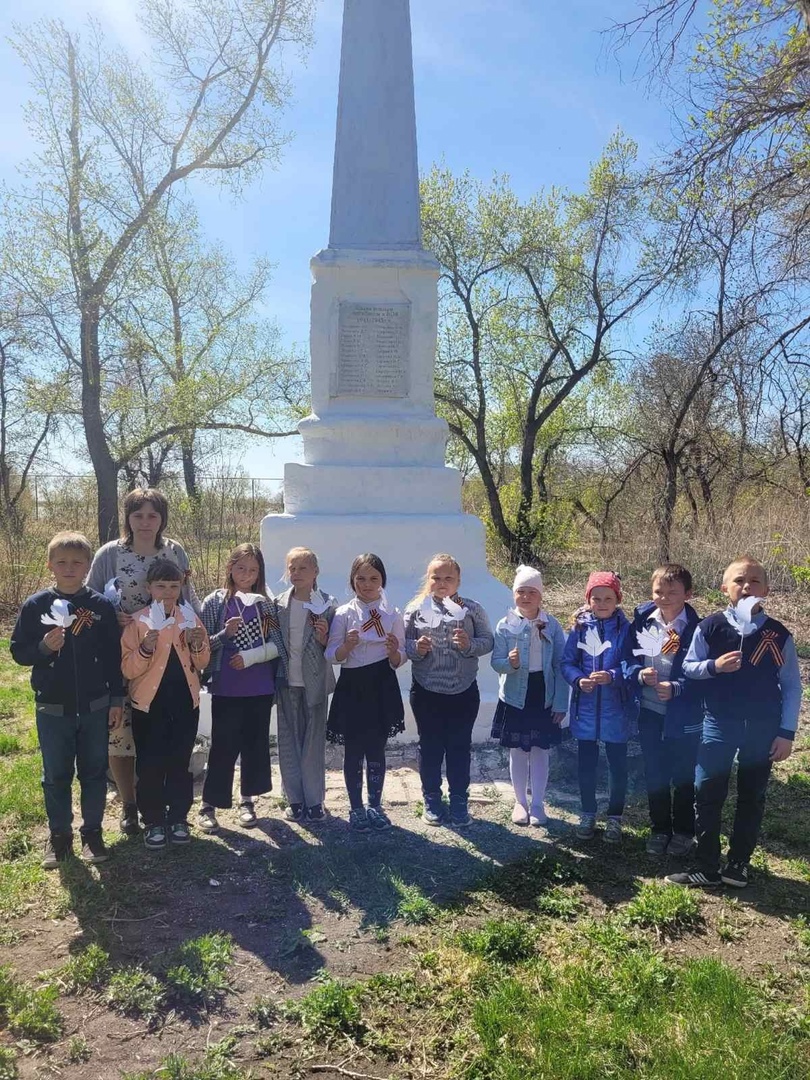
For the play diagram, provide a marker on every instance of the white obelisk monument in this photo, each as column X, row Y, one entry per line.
column 374, row 476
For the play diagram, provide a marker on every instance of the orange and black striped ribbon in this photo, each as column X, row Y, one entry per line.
column 84, row 618
column 768, row 644
column 374, row 622
column 672, row 644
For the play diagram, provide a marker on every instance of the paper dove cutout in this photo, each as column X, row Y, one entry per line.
column 248, row 599
column 651, row 641
column 316, row 604
column 455, row 611
column 189, row 617
column 514, row 622
column 593, row 645
column 112, row 592
column 430, row 615
column 742, row 614
column 60, row 614
column 157, row 619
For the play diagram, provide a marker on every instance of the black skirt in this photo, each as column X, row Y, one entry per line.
column 521, row 729
column 366, row 699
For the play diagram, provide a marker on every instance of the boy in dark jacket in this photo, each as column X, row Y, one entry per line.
column 670, row 718
column 69, row 636
column 746, row 665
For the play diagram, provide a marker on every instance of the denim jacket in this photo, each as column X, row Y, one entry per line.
column 514, row 682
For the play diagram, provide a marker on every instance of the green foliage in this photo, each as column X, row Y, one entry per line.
column 560, row 902
column 506, row 941
column 135, row 992
column 16, row 844
column 664, row 908
column 264, row 1011
column 78, row 1050
column 9, row 744
column 198, row 972
column 330, row 1010
column 28, row 1013
column 8, row 1064
column 87, row 969
column 217, row 1064
column 413, row 907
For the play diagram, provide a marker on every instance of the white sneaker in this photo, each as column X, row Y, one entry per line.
column 520, row 815
column 538, row 817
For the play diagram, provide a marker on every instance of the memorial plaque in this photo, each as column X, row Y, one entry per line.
column 373, row 350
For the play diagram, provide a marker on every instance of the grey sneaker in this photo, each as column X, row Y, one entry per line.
column 586, row 830
column 431, row 816
column 657, row 843
column 154, row 837
column 681, row 845
column 207, row 820
column 613, row 831
column 377, row 818
column 460, row 817
column 247, row 816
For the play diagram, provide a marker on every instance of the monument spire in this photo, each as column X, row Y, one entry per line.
column 375, row 191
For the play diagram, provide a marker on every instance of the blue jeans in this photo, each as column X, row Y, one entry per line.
column 669, row 766
column 750, row 740
column 65, row 741
column 617, row 775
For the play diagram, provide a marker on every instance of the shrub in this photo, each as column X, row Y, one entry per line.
column 198, row 974
column 135, row 992
column 506, row 941
column 664, row 908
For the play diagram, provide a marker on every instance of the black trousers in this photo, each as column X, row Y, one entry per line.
column 164, row 740
column 445, row 725
column 669, row 765
column 360, row 746
column 239, row 725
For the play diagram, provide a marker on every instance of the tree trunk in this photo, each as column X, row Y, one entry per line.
column 104, row 465
column 190, row 468
column 666, row 516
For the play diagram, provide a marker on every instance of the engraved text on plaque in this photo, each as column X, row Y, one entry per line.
column 373, row 349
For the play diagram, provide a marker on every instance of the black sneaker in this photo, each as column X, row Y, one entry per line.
column 358, row 819
column 432, row 815
column 695, row 879
column 128, row 822
column 58, row 847
column 377, row 818
column 459, row 817
column 294, row 812
column 316, row 814
column 93, row 847
column 735, row 874
column 180, row 832
column 154, row 837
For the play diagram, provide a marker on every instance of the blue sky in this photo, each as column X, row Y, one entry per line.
column 524, row 87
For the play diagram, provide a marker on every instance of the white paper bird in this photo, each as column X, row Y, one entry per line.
column 742, row 614
column 430, row 615
column 157, row 619
column 455, row 612
column 316, row 603
column 112, row 592
column 651, row 641
column 189, row 616
column 60, row 614
column 248, row 599
column 593, row 645
column 514, row 621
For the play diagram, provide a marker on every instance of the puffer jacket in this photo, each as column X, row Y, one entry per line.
column 606, row 713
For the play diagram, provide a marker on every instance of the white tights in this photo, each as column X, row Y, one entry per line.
column 536, row 762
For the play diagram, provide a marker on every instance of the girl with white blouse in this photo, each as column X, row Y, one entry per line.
column 367, row 638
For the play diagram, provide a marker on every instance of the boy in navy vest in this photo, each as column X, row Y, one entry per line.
column 752, row 696
column 670, row 718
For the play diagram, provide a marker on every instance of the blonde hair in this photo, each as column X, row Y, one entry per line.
column 70, row 541
column 442, row 559
column 744, row 560
column 302, row 553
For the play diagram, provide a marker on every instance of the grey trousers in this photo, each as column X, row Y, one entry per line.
column 301, row 746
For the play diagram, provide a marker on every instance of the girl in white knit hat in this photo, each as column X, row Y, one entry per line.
column 533, row 695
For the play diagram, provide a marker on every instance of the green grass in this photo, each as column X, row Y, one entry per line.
column 505, row 941
column 414, row 907
column 217, row 1064
column 78, row 1050
column 638, row 1016
column 89, row 969
column 561, row 902
column 264, row 1011
column 9, row 744
column 28, row 1013
column 667, row 909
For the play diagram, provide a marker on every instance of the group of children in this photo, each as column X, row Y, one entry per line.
column 700, row 693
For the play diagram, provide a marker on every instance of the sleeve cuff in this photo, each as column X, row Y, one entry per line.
column 786, row 733
column 711, row 667
column 44, row 650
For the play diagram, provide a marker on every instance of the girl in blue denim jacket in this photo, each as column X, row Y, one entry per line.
column 533, row 696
